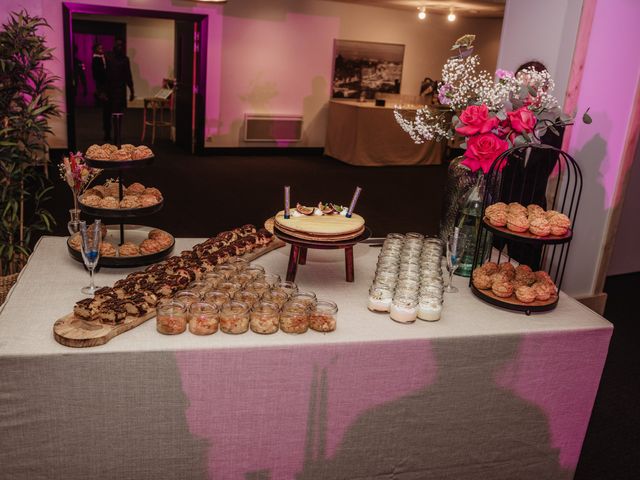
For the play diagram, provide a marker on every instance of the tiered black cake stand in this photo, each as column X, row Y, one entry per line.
column 529, row 174
column 122, row 231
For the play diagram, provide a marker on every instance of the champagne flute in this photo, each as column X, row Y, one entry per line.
column 90, row 246
column 456, row 244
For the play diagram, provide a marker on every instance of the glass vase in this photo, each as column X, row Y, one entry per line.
column 73, row 225
column 460, row 180
column 468, row 222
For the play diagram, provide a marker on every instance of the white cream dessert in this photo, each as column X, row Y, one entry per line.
column 379, row 300
column 404, row 310
column 429, row 311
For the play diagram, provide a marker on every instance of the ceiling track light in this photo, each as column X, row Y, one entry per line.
column 422, row 13
column 452, row 16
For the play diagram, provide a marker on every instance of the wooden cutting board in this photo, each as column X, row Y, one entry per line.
column 75, row 332
column 320, row 225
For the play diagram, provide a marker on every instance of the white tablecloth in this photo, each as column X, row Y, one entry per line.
column 483, row 393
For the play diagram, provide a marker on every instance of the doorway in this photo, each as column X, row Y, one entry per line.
column 182, row 66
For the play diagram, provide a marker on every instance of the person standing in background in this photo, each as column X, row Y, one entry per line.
column 118, row 79
column 99, row 73
column 79, row 76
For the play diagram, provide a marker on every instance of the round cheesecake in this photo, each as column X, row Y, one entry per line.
column 321, row 227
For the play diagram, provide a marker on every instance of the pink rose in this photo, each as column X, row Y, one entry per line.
column 522, row 120
column 476, row 120
column 482, row 150
column 504, row 128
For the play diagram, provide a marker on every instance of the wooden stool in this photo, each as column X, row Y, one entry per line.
column 299, row 247
column 156, row 105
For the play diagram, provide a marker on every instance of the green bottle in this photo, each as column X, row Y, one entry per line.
column 468, row 221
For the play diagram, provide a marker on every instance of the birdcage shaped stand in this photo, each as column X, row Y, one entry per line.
column 529, row 174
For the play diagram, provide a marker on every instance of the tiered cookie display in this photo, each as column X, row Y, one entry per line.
column 124, row 245
column 138, row 199
column 527, row 227
column 532, row 221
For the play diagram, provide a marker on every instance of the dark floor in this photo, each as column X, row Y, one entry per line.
column 204, row 195
column 611, row 448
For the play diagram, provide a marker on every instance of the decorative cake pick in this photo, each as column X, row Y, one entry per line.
column 354, row 200
column 287, row 201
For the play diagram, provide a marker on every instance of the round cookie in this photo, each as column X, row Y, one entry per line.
column 526, row 294
column 540, row 226
column 517, row 223
column 502, row 289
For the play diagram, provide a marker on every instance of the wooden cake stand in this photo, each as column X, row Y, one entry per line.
column 299, row 247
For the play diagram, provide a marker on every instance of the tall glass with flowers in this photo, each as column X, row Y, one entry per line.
column 78, row 175
column 484, row 115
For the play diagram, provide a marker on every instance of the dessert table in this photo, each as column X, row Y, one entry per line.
column 359, row 133
column 483, row 393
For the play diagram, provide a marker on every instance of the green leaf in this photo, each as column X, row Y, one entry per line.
column 586, row 118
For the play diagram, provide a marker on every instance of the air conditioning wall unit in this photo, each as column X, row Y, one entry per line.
column 272, row 128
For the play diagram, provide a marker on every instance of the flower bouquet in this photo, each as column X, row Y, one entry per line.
column 486, row 115
column 75, row 172
column 489, row 113
column 78, row 175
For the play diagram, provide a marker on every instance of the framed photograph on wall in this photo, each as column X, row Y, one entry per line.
column 360, row 69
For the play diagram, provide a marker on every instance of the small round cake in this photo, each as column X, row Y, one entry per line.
column 330, row 228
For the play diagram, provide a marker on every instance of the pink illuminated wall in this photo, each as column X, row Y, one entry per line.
column 609, row 79
column 276, row 56
column 608, row 87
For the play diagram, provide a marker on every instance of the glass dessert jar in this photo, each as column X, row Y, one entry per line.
column 288, row 287
column 408, row 285
column 255, row 270
column 307, row 298
column 414, row 236
column 404, row 309
column 388, row 269
column 429, row 309
column 294, row 318
column 395, row 236
column 379, row 299
column 386, row 278
column 239, row 264
column 171, row 317
column 241, row 278
column 198, row 286
column 230, row 287
column 217, row 298
column 213, row 279
column 272, row 279
column 248, row 297
column 258, row 287
column 234, row 317
column 225, row 269
column 265, row 318
column 323, row 316
column 187, row 297
column 278, row 297
column 203, row 318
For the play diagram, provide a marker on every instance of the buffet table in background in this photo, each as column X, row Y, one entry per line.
column 359, row 133
column 483, row 393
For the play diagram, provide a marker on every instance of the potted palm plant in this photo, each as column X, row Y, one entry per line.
column 25, row 110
